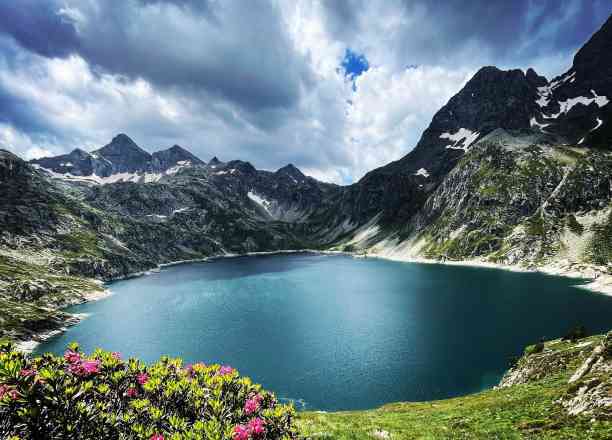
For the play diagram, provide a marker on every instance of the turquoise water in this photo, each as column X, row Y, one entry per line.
column 333, row 332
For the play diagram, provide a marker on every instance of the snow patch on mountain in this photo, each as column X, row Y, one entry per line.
column 179, row 166
column 93, row 178
column 422, row 172
column 599, row 122
column 221, row 173
column 566, row 106
column 99, row 180
column 534, row 123
column 545, row 91
column 265, row 204
column 152, row 177
column 463, row 138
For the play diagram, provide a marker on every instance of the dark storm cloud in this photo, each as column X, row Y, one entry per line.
column 19, row 113
column 38, row 27
column 238, row 50
column 235, row 50
column 506, row 32
column 198, row 5
column 15, row 110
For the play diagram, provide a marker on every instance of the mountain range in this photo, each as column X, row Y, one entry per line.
column 119, row 161
column 513, row 170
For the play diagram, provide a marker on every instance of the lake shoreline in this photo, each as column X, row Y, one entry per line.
column 36, row 338
column 599, row 282
column 222, row 257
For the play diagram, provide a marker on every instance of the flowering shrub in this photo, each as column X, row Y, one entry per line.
column 104, row 397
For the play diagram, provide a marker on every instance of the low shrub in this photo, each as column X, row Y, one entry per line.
column 573, row 225
column 575, row 333
column 535, row 226
column 102, row 396
column 534, row 349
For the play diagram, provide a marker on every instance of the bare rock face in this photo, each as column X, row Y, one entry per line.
column 536, row 366
column 590, row 391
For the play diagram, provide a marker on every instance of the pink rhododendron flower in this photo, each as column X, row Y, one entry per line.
column 91, row 367
column 84, row 367
column 72, row 356
column 256, row 426
column 225, row 370
column 116, row 355
column 142, row 378
column 6, row 391
column 132, row 392
column 252, row 405
column 27, row 372
column 241, row 432
column 76, row 369
column 157, row 437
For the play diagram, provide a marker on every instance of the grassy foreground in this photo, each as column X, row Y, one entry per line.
column 521, row 411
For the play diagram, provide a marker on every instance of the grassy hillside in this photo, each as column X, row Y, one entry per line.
column 530, row 410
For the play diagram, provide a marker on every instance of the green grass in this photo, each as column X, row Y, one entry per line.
column 20, row 318
column 80, row 244
column 12, row 270
column 523, row 411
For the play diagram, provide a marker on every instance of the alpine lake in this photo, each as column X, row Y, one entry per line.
column 333, row 332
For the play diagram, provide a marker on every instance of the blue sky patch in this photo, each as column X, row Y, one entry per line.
column 354, row 64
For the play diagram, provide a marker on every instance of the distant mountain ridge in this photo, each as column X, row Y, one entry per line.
column 120, row 160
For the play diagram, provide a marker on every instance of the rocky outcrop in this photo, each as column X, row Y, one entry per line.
column 590, row 391
column 31, row 290
column 588, row 364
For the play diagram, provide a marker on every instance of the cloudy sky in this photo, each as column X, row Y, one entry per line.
column 335, row 87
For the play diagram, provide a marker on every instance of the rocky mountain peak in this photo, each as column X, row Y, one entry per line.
column 123, row 150
column 214, row 161
column 178, row 149
column 123, row 138
column 492, row 99
column 124, row 155
column 119, row 160
column 291, row 170
column 593, row 62
column 534, row 79
column 242, row 166
column 173, row 156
